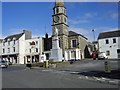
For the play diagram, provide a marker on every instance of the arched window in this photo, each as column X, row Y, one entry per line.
column 57, row 10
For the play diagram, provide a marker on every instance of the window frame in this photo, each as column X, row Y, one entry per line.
column 72, row 43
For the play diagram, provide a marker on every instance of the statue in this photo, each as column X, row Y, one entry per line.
column 56, row 34
column 56, row 51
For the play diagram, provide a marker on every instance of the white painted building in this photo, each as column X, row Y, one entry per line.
column 22, row 49
column 13, row 47
column 109, row 42
column 33, row 50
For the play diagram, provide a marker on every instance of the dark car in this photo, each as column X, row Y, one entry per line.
column 3, row 64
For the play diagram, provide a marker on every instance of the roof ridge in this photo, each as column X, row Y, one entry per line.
column 111, row 31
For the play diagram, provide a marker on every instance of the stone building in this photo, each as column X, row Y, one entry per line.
column 71, row 43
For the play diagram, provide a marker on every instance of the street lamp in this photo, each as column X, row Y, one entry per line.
column 94, row 39
column 93, row 34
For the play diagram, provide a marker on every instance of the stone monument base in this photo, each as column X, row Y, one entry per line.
column 56, row 55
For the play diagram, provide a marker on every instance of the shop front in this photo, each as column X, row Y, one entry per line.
column 13, row 58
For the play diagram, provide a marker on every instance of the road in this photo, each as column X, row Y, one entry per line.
column 21, row 77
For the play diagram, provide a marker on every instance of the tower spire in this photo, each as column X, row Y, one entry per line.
column 59, row 3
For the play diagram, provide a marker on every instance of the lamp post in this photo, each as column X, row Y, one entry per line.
column 93, row 39
column 93, row 34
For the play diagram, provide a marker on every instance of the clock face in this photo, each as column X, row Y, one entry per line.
column 56, row 19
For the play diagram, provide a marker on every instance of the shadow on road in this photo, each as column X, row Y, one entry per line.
column 114, row 74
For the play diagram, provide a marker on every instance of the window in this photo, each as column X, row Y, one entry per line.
column 36, row 49
column 13, row 49
column 14, row 42
column 57, row 10
column 8, row 42
column 107, row 42
column 8, row 50
column 107, row 53
column 30, row 50
column 64, row 11
column 36, row 42
column 59, row 43
column 3, row 50
column 114, row 40
column 74, row 43
column 3, row 44
column 65, row 20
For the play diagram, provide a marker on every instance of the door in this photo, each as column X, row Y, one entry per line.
column 118, row 52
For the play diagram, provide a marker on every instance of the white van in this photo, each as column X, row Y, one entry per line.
column 102, row 55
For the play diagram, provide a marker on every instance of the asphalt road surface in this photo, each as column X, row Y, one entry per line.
column 21, row 77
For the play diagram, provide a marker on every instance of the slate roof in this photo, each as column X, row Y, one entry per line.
column 72, row 33
column 109, row 34
column 16, row 36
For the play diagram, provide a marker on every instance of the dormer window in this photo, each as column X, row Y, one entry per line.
column 8, row 41
column 3, row 42
column 14, row 40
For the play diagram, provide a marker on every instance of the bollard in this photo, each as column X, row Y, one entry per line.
column 46, row 64
column 107, row 67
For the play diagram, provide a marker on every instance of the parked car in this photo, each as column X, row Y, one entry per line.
column 3, row 64
column 102, row 55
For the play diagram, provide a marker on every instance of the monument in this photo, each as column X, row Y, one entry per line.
column 56, row 51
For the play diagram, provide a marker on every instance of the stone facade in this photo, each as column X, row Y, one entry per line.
column 65, row 36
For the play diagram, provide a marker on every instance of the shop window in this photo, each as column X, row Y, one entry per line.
column 8, row 50
column 108, row 53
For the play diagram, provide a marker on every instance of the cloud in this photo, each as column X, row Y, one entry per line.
column 82, row 19
column 105, row 29
column 113, row 15
column 77, row 21
column 36, row 35
column 79, row 30
column 88, row 15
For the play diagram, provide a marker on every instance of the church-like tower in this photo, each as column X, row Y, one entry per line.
column 60, row 22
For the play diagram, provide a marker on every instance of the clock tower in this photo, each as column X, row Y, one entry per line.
column 60, row 22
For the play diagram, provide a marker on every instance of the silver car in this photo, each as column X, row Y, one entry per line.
column 3, row 64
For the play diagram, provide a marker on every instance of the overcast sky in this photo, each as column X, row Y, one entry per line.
column 37, row 17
